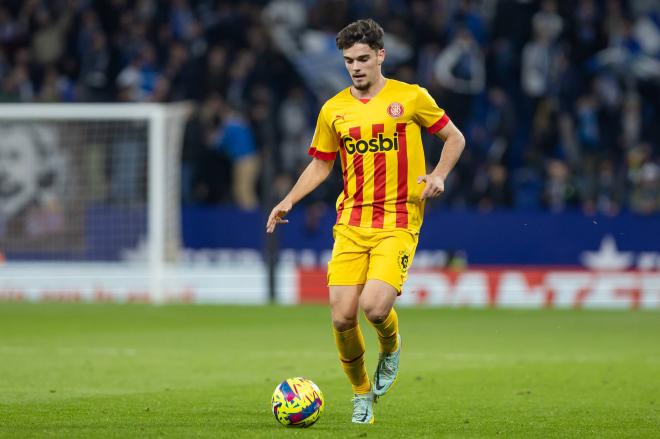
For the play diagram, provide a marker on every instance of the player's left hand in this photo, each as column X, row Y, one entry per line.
column 435, row 186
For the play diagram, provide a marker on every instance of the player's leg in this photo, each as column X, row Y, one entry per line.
column 344, row 302
column 347, row 271
column 388, row 269
column 377, row 302
column 348, row 336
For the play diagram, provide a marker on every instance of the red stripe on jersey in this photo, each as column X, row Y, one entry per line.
column 344, row 169
column 402, row 186
column 321, row 154
column 358, row 169
column 380, row 177
column 380, row 172
column 440, row 124
column 356, row 211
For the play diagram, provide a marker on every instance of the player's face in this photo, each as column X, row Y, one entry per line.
column 363, row 64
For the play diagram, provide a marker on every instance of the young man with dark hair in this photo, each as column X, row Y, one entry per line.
column 375, row 126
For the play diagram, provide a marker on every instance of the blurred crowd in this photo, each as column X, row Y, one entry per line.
column 559, row 101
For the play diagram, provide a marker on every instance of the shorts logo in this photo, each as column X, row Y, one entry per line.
column 404, row 260
column 395, row 110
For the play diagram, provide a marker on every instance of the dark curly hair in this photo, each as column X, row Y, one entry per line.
column 362, row 31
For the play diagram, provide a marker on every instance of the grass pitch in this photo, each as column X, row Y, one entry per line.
column 87, row 371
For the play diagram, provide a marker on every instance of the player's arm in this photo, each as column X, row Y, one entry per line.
column 454, row 145
column 313, row 175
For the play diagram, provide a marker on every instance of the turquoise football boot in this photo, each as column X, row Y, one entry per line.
column 386, row 371
column 363, row 409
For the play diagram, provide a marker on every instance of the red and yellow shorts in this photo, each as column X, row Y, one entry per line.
column 363, row 253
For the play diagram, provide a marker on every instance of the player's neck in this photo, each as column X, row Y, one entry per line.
column 372, row 91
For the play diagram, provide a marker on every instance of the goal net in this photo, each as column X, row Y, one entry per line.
column 89, row 193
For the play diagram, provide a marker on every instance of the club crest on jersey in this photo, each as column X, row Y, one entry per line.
column 395, row 109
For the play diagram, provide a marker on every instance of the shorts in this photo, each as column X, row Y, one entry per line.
column 363, row 253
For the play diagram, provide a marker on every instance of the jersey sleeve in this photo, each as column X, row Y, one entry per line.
column 324, row 143
column 428, row 114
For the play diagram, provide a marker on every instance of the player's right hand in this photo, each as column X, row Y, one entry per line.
column 277, row 215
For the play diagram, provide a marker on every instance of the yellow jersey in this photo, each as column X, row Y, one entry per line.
column 380, row 145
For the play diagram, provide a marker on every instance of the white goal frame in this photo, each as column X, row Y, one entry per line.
column 156, row 116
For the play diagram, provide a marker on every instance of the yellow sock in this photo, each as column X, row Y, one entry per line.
column 350, row 345
column 387, row 333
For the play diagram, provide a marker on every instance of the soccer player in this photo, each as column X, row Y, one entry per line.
column 375, row 126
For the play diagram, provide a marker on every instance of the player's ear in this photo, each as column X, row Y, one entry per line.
column 381, row 56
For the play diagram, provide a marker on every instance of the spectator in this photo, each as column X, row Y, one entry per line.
column 49, row 34
column 55, row 87
column 179, row 72
column 643, row 180
column 492, row 188
column 500, row 125
column 645, row 193
column 538, row 60
column 459, row 69
column 206, row 173
column 547, row 23
column 294, row 127
column 560, row 191
column 95, row 69
column 235, row 138
column 586, row 37
column 588, row 127
column 17, row 86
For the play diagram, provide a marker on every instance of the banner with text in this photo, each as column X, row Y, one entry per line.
column 526, row 288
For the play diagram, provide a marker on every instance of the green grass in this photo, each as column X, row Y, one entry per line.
column 85, row 371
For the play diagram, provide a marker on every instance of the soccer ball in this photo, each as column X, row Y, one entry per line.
column 297, row 402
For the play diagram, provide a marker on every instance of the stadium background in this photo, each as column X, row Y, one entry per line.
column 555, row 204
column 556, row 200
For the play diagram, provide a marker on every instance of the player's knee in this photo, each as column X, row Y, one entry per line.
column 376, row 314
column 343, row 322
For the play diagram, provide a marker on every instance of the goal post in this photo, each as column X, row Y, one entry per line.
column 91, row 184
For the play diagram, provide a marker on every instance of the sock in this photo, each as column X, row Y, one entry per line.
column 387, row 333
column 350, row 345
